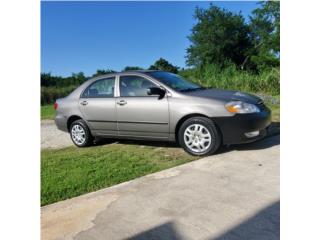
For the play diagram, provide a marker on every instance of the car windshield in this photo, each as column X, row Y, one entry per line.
column 175, row 82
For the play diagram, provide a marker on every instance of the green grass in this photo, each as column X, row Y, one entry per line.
column 47, row 112
column 71, row 171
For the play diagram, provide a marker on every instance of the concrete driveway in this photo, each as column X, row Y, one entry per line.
column 51, row 137
column 231, row 195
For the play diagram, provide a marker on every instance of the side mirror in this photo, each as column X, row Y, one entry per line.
column 156, row 91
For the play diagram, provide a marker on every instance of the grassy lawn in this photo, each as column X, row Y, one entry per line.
column 71, row 171
column 47, row 112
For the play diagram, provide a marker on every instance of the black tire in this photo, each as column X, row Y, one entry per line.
column 212, row 129
column 88, row 139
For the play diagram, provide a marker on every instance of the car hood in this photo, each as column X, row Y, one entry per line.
column 225, row 95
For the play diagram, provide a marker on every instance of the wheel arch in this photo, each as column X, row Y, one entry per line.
column 71, row 119
column 184, row 118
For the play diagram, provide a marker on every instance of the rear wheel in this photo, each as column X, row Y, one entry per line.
column 199, row 136
column 80, row 134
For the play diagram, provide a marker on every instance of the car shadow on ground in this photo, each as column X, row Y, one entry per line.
column 272, row 139
column 265, row 224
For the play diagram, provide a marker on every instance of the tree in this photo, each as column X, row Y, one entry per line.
column 46, row 79
column 219, row 37
column 130, row 68
column 77, row 78
column 100, row 72
column 265, row 28
column 164, row 65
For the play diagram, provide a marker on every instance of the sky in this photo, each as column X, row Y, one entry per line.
column 86, row 36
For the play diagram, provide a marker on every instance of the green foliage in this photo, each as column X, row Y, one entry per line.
column 220, row 37
column 164, row 65
column 47, row 80
column 268, row 81
column 130, row 68
column 70, row 172
column 50, row 94
column 265, row 31
column 223, row 38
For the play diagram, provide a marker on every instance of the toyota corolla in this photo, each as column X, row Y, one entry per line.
column 158, row 105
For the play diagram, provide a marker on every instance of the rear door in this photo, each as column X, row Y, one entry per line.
column 140, row 115
column 97, row 104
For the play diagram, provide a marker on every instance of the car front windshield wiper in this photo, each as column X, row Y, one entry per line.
column 191, row 89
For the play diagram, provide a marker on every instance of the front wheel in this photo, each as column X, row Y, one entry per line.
column 80, row 134
column 199, row 136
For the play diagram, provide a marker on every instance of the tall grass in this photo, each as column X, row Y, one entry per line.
column 267, row 82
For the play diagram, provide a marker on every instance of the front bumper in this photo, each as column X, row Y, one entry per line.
column 234, row 129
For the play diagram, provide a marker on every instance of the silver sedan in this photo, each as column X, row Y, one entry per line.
column 157, row 105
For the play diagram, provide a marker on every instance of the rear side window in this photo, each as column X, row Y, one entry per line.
column 103, row 88
column 134, row 86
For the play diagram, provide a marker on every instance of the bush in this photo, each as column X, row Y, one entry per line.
column 267, row 81
column 50, row 94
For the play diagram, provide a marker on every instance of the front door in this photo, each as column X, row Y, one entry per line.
column 97, row 104
column 140, row 115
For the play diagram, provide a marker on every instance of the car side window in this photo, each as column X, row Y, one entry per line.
column 103, row 88
column 134, row 86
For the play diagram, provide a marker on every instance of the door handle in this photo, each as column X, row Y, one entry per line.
column 84, row 103
column 122, row 102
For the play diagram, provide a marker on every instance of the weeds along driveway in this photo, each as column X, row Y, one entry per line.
column 231, row 195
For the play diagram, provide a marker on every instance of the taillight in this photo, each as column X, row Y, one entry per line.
column 55, row 105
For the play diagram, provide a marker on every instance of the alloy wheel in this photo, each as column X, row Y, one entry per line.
column 197, row 138
column 78, row 134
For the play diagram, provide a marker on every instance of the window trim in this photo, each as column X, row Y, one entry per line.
column 144, row 77
column 98, row 80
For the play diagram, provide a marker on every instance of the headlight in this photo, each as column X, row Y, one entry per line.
column 241, row 107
